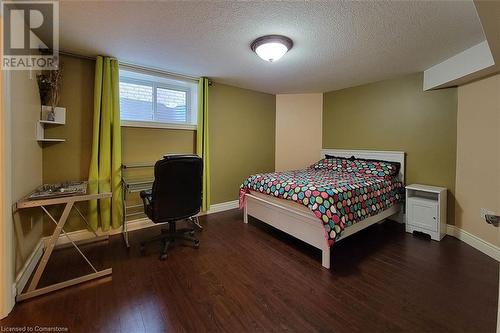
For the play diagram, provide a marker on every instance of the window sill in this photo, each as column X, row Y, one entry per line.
column 150, row 124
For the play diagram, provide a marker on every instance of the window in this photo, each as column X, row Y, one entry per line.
column 157, row 101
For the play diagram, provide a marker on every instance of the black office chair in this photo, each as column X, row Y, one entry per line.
column 175, row 196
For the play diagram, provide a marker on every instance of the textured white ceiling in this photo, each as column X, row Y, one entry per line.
column 336, row 44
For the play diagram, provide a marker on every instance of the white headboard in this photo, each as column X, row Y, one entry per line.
column 391, row 156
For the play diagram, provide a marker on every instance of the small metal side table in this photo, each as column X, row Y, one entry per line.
column 130, row 185
column 69, row 202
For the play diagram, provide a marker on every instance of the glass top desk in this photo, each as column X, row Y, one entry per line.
column 134, row 184
column 69, row 202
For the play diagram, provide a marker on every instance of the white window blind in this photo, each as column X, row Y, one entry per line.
column 171, row 106
column 155, row 101
column 136, row 101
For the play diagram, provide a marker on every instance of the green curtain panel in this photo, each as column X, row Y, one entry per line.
column 105, row 162
column 202, row 140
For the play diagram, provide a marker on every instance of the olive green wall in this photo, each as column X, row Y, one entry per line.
column 235, row 153
column 242, row 134
column 70, row 160
column 150, row 144
column 141, row 145
column 397, row 115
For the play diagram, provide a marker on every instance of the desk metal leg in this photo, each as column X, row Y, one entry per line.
column 33, row 291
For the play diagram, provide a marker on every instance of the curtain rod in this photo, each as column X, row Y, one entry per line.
column 136, row 67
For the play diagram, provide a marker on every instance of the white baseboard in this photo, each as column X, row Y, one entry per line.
column 474, row 241
column 223, row 206
column 81, row 235
column 136, row 224
column 85, row 234
column 30, row 264
column 28, row 268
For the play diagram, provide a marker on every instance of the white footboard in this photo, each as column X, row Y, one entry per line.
column 304, row 225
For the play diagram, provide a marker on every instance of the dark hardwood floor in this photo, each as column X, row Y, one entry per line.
column 254, row 278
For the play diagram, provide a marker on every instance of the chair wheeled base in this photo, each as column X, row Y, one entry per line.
column 168, row 237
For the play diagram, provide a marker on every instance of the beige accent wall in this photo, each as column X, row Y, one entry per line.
column 5, row 220
column 6, row 241
column 26, row 161
column 241, row 139
column 242, row 134
column 397, row 115
column 478, row 157
column 298, row 130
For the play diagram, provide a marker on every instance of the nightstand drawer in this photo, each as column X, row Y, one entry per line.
column 423, row 213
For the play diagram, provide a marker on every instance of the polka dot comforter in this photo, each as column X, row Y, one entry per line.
column 338, row 197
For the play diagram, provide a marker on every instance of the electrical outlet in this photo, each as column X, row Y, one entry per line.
column 485, row 212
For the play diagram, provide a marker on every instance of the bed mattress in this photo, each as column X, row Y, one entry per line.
column 337, row 198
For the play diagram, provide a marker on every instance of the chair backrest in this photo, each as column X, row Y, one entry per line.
column 177, row 188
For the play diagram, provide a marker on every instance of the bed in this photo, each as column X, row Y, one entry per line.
column 298, row 220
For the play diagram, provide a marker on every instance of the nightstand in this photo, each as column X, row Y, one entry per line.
column 426, row 210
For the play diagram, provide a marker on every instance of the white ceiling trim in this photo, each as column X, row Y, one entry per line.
column 474, row 59
column 488, row 13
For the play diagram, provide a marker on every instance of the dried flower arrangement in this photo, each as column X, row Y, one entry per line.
column 55, row 77
column 44, row 88
column 49, row 85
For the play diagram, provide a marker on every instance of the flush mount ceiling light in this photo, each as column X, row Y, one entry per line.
column 271, row 47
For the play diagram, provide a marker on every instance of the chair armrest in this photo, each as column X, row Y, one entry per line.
column 146, row 197
column 146, row 194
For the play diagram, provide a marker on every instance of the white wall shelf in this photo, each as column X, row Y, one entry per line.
column 49, row 122
column 51, row 140
column 59, row 119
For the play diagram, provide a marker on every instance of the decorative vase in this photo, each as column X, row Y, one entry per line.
column 51, row 116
